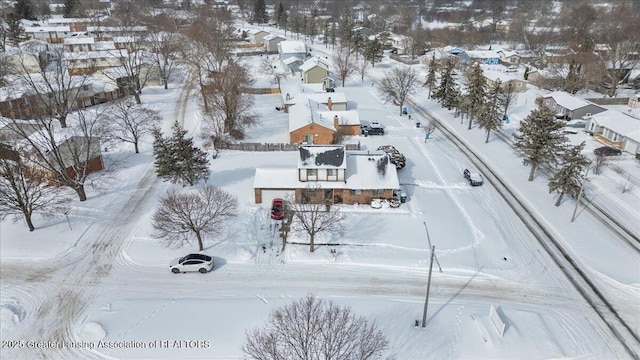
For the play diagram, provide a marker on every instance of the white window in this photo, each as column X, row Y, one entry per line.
column 312, row 173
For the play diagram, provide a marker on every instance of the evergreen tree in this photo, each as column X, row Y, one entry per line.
column 539, row 138
column 24, row 10
column 15, row 31
column 373, row 51
column 476, row 92
column 71, row 8
column 431, row 76
column 568, row 177
column 333, row 34
column 177, row 160
column 447, row 92
column 260, row 11
column 279, row 13
column 489, row 118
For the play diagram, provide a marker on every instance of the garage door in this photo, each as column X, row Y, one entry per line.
column 268, row 195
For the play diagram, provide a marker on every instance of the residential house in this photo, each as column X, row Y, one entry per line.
column 88, row 62
column 271, row 42
column 50, row 34
column 314, row 70
column 307, row 126
column 12, row 131
column 509, row 57
column 75, row 24
column 509, row 81
column 256, row 36
column 329, row 174
column 615, row 129
column 569, row 107
column 73, row 44
column 487, row 57
column 295, row 49
column 293, row 64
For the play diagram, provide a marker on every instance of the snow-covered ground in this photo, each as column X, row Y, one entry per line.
column 98, row 278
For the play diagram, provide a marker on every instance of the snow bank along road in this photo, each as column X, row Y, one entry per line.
column 565, row 261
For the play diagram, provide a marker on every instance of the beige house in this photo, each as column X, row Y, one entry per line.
column 507, row 80
column 257, row 36
column 314, row 71
column 271, row 42
column 329, row 174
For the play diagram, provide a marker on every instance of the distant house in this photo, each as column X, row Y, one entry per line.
column 487, row 57
column 568, row 106
column 509, row 57
column 271, row 42
column 50, row 34
column 329, row 174
column 257, row 36
column 314, row 70
column 79, row 44
column 615, row 129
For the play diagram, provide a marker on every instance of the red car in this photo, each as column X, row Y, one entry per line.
column 277, row 209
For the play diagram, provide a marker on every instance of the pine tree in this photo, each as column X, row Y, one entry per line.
column 430, row 83
column 373, row 51
column 279, row 13
column 260, row 11
column 71, row 8
column 447, row 92
column 177, row 160
column 476, row 92
column 489, row 117
column 567, row 178
column 24, row 10
column 15, row 31
column 539, row 138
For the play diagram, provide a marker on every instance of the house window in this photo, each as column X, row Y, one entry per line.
column 308, row 139
column 377, row 191
column 312, row 173
column 355, row 192
column 331, row 173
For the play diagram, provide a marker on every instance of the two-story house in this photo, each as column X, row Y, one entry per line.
column 314, row 71
column 329, row 174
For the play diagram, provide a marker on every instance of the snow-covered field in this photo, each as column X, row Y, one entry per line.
column 97, row 279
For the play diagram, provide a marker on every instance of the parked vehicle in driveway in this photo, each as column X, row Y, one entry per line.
column 474, row 178
column 375, row 130
column 607, row 151
column 277, row 209
column 576, row 123
column 193, row 262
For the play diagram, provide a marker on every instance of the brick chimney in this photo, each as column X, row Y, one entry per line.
column 329, row 103
column 335, row 121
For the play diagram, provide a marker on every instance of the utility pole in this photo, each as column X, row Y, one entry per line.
column 584, row 179
column 426, row 300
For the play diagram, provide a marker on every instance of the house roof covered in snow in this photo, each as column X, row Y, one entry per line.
column 483, row 54
column 619, row 122
column 347, row 117
column 292, row 47
column 313, row 62
column 272, row 37
column 364, row 171
column 567, row 100
column 79, row 40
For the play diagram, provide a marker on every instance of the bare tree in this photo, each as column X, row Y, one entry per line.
column 429, row 129
column 399, row 84
column 362, row 64
column 343, row 63
column 179, row 216
column 208, row 46
column 311, row 328
column 21, row 194
column 130, row 122
column 64, row 157
column 316, row 218
column 626, row 185
column 599, row 162
column 165, row 45
column 272, row 68
column 52, row 91
column 509, row 95
column 415, row 42
column 133, row 56
column 228, row 102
